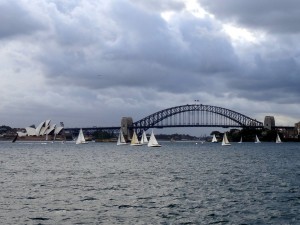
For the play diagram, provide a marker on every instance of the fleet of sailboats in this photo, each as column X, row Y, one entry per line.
column 153, row 142
column 225, row 141
column 80, row 138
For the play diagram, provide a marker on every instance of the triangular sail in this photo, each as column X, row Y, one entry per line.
column 225, row 140
column 214, row 139
column 144, row 139
column 135, row 140
column 80, row 139
column 121, row 139
column 257, row 139
column 241, row 141
column 152, row 141
column 278, row 140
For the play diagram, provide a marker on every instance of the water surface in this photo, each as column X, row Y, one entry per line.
column 179, row 183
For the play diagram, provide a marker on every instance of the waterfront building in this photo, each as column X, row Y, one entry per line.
column 44, row 131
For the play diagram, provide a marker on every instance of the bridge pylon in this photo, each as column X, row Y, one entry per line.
column 126, row 126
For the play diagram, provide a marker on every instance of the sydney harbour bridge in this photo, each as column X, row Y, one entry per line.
column 190, row 115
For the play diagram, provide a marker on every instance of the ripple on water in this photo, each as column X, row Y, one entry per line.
column 180, row 183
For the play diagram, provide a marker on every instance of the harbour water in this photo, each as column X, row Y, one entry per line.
column 179, row 183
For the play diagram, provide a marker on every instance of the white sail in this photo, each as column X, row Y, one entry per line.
column 214, row 139
column 225, row 141
column 134, row 140
column 256, row 140
column 241, row 141
column 152, row 141
column 144, row 139
column 80, row 138
column 121, row 139
column 278, row 140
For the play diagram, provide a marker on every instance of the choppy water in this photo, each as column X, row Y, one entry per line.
column 179, row 183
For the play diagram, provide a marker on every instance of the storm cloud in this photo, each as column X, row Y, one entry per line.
column 275, row 17
column 109, row 59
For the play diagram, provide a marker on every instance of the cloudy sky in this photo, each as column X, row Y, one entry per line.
column 88, row 63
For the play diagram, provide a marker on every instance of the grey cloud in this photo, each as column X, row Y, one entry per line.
column 16, row 19
column 268, row 71
column 272, row 16
column 147, row 52
column 143, row 58
column 166, row 5
column 274, row 77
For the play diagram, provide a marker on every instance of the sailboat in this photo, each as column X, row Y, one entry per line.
column 225, row 141
column 257, row 141
column 241, row 141
column 80, row 138
column 144, row 139
column 278, row 140
column 121, row 139
column 135, row 140
column 214, row 139
column 152, row 141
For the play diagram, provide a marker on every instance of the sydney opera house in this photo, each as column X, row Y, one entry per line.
column 43, row 132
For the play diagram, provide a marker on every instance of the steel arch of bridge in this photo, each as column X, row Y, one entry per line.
column 195, row 115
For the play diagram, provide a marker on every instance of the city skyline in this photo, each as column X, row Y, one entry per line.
column 90, row 63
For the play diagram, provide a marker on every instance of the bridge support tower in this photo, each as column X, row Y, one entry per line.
column 126, row 122
column 269, row 122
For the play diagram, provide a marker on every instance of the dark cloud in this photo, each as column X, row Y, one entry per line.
column 274, row 79
column 92, row 59
column 272, row 16
column 268, row 70
column 146, row 51
column 16, row 19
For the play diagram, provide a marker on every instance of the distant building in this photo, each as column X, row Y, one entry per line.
column 290, row 134
column 269, row 122
column 44, row 131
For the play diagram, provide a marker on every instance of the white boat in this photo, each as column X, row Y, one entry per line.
column 241, row 141
column 152, row 141
column 80, row 138
column 214, row 139
column 225, row 141
column 257, row 141
column 121, row 139
column 135, row 140
column 144, row 139
column 278, row 140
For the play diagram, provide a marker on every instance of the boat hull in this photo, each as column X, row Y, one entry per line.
column 81, row 143
column 121, row 143
column 154, row 146
column 226, row 144
column 136, row 144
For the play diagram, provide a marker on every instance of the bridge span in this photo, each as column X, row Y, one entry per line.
column 190, row 115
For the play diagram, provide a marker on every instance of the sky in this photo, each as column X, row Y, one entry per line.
column 89, row 63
